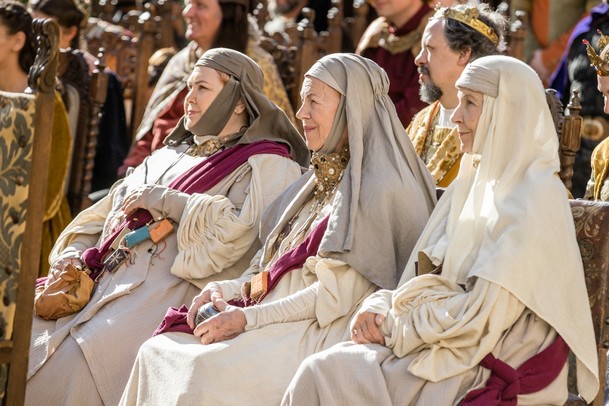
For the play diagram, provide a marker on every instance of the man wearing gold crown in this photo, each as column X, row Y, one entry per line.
column 452, row 38
column 392, row 41
column 598, row 186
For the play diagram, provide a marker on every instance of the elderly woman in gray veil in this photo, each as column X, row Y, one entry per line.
column 232, row 154
column 335, row 236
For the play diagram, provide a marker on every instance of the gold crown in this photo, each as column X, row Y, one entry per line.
column 600, row 64
column 470, row 17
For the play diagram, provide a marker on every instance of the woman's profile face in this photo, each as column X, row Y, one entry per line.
column 319, row 105
column 66, row 34
column 466, row 116
column 203, row 19
column 204, row 84
column 8, row 45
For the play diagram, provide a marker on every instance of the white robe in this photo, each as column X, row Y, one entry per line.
column 86, row 358
column 432, row 351
column 308, row 311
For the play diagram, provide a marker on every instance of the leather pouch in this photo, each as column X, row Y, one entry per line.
column 66, row 295
column 259, row 285
column 160, row 230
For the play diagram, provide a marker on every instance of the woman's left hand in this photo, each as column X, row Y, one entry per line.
column 365, row 328
column 138, row 198
column 227, row 324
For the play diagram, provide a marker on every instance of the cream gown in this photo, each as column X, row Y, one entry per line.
column 86, row 358
column 309, row 310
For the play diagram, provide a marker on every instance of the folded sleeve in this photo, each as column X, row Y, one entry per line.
column 450, row 329
column 86, row 229
column 214, row 232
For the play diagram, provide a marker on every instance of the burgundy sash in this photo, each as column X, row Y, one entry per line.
column 506, row 383
column 175, row 319
column 197, row 179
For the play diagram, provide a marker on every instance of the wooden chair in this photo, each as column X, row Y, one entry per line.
column 111, row 38
column 356, row 25
column 73, row 71
column 309, row 51
column 25, row 162
column 103, row 9
column 592, row 228
column 331, row 41
column 127, row 53
column 568, row 127
column 284, row 55
column 168, row 15
column 261, row 13
column 518, row 32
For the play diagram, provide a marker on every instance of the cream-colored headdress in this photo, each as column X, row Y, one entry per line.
column 507, row 219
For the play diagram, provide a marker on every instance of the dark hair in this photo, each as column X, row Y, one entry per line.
column 233, row 31
column 460, row 36
column 65, row 12
column 15, row 17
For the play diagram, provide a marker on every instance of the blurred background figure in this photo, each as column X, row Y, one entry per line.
column 393, row 40
column 113, row 140
column 574, row 73
column 210, row 24
column 551, row 24
column 17, row 55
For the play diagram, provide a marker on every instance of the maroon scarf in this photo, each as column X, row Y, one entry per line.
column 197, row 179
column 175, row 319
column 506, row 383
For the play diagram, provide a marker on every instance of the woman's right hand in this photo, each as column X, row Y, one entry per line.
column 211, row 292
column 59, row 265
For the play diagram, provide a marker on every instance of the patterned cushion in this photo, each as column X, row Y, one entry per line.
column 16, row 132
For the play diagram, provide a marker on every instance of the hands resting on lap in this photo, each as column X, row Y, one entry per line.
column 227, row 324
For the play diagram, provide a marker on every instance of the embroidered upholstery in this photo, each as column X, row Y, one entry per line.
column 25, row 134
column 592, row 228
column 16, row 134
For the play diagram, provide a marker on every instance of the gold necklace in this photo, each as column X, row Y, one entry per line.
column 329, row 171
column 206, row 149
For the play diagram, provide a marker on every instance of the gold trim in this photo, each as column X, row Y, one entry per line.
column 600, row 64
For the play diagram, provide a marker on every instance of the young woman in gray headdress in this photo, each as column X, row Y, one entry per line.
column 339, row 233
column 212, row 187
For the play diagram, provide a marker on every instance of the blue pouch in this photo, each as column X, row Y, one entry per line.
column 139, row 235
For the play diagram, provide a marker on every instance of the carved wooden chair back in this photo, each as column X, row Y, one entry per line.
column 568, row 127
column 332, row 40
column 308, row 52
column 261, row 12
column 518, row 31
column 127, row 53
column 284, row 54
column 91, row 91
column 356, row 24
column 169, row 20
column 592, row 228
column 103, row 9
column 111, row 38
column 26, row 139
